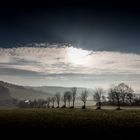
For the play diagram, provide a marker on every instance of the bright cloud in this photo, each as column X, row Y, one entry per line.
column 69, row 60
column 66, row 59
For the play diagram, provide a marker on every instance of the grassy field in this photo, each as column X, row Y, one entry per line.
column 110, row 122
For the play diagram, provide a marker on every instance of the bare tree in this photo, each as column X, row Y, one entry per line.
column 64, row 99
column 111, row 97
column 137, row 99
column 53, row 99
column 83, row 97
column 48, row 102
column 40, row 103
column 116, row 95
column 69, row 97
column 104, row 99
column 74, row 92
column 97, row 96
column 120, row 93
column 58, row 97
column 130, row 98
column 124, row 90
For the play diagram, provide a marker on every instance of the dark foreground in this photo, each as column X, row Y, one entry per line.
column 65, row 123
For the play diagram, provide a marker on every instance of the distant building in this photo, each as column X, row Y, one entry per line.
column 27, row 101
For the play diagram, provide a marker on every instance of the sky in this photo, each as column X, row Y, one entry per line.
column 70, row 43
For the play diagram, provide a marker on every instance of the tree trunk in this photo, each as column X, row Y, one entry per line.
column 53, row 105
column 65, row 104
column 99, row 105
column 119, row 105
column 73, row 103
column 84, row 105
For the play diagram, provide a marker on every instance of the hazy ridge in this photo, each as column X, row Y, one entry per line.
column 27, row 92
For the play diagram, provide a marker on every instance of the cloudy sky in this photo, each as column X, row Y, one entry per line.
column 70, row 44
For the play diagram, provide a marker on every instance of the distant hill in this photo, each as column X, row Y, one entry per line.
column 5, row 97
column 21, row 92
column 28, row 92
column 53, row 89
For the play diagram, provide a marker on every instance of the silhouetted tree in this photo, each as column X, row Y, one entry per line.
column 41, row 103
column 69, row 97
column 53, row 99
column 34, row 104
column 64, row 99
column 120, row 93
column 83, row 97
column 137, row 100
column 97, row 96
column 104, row 99
column 130, row 98
column 48, row 102
column 111, row 97
column 74, row 92
column 124, row 91
column 58, row 98
column 117, row 95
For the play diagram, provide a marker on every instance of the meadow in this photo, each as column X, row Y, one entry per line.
column 61, row 121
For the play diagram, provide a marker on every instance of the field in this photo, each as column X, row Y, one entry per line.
column 61, row 121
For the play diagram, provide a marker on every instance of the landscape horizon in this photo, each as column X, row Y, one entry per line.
column 69, row 68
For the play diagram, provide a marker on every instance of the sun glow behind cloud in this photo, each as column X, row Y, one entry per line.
column 64, row 64
column 78, row 56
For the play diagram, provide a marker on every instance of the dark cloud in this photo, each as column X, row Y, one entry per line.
column 99, row 26
column 20, row 61
column 18, row 72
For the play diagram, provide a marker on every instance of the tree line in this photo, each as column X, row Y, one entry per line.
column 119, row 95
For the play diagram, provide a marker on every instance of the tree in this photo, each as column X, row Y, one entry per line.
column 119, row 93
column 137, row 99
column 130, row 98
column 64, row 99
column 104, row 99
column 83, row 97
column 69, row 97
column 116, row 95
column 48, row 102
column 74, row 92
column 58, row 97
column 124, row 91
column 53, row 99
column 40, row 103
column 97, row 96
column 111, row 97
